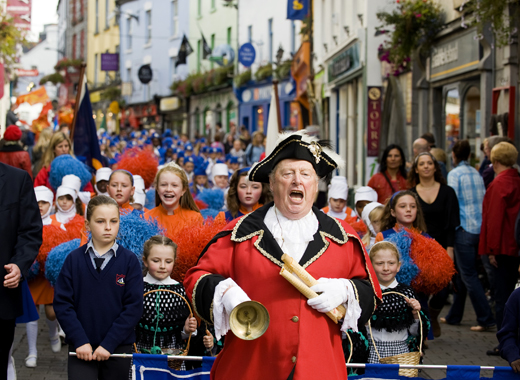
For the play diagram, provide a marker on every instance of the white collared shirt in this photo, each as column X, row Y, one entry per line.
column 95, row 254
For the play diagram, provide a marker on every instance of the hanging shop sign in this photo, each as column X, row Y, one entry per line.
column 456, row 56
column 169, row 104
column 247, row 54
column 374, row 121
column 145, row 74
column 109, row 62
column 344, row 63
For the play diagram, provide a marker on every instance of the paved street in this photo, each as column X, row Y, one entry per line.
column 457, row 345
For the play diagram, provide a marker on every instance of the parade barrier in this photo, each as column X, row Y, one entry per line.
column 155, row 367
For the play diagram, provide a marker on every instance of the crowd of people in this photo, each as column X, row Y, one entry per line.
column 412, row 236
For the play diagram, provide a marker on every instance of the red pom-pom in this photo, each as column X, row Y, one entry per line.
column 75, row 226
column 201, row 205
column 52, row 236
column 190, row 243
column 436, row 266
column 140, row 162
column 357, row 224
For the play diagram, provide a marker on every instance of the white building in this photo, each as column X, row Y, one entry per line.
column 346, row 65
column 42, row 57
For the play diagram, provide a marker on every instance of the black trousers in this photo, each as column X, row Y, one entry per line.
column 6, row 341
column 111, row 369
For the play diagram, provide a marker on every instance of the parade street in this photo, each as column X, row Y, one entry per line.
column 457, row 346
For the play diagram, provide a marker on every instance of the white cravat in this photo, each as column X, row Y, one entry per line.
column 63, row 216
column 293, row 236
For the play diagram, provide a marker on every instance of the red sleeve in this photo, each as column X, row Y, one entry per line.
column 493, row 215
column 42, row 177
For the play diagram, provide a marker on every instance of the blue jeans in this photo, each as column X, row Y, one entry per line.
column 467, row 281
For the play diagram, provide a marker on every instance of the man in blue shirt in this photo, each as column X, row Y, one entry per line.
column 470, row 190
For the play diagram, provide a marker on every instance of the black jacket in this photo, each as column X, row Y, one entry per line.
column 20, row 233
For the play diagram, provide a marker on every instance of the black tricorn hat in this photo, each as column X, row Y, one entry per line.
column 299, row 146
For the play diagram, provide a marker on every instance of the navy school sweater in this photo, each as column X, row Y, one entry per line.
column 99, row 308
column 509, row 334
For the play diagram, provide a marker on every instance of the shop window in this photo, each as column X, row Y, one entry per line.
column 452, row 123
column 258, row 118
column 472, row 123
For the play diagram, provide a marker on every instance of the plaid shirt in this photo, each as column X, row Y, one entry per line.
column 470, row 190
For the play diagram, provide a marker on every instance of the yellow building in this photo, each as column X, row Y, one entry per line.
column 103, row 37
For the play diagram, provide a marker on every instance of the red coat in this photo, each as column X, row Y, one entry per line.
column 499, row 211
column 15, row 156
column 42, row 179
column 379, row 183
column 298, row 336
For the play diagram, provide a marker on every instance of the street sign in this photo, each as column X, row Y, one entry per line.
column 27, row 73
column 246, row 54
column 145, row 74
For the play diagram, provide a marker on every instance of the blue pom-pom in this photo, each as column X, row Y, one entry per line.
column 150, row 199
column 64, row 165
column 135, row 230
column 214, row 198
column 208, row 213
column 33, row 271
column 408, row 270
column 57, row 257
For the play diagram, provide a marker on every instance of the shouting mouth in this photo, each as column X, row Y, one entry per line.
column 296, row 195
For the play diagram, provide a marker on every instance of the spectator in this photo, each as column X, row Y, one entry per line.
column 255, row 149
column 39, row 149
column 497, row 236
column 60, row 144
column 237, row 150
column 489, row 174
column 245, row 136
column 440, row 156
column 392, row 173
column 12, row 153
column 470, row 190
column 430, row 138
column 485, row 162
column 420, row 146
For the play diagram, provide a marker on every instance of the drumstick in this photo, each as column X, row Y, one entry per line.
column 298, row 270
column 305, row 290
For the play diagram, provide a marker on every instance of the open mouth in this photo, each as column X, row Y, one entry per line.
column 169, row 196
column 296, row 195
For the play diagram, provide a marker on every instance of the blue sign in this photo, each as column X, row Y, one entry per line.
column 246, row 54
column 297, row 9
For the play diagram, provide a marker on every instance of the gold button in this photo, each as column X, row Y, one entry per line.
column 295, row 319
column 294, row 359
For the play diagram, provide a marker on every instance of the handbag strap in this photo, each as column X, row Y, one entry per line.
column 420, row 327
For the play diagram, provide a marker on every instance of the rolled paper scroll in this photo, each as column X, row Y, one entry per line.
column 303, row 275
column 305, row 290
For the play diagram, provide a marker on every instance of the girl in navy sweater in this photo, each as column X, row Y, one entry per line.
column 98, row 298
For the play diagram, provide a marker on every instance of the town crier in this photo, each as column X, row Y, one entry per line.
column 243, row 263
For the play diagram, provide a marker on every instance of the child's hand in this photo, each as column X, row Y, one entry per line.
column 516, row 365
column 84, row 352
column 101, row 354
column 415, row 305
column 208, row 341
column 191, row 325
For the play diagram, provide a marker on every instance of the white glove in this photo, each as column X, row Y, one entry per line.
column 233, row 297
column 333, row 293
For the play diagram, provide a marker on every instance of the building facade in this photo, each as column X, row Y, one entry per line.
column 76, row 31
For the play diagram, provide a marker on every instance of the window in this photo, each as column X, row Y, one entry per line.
column 199, row 54
column 95, row 69
column 199, row 8
column 97, row 17
column 118, row 75
column 213, row 4
column 82, row 44
column 229, row 36
column 129, row 33
column 174, row 29
column 212, row 47
column 148, row 26
column 81, row 8
column 270, row 33
column 129, row 74
column 74, row 43
column 250, row 34
column 293, row 36
column 73, row 11
column 107, row 13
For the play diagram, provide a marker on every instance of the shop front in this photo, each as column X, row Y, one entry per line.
column 254, row 104
column 208, row 109
column 140, row 116
column 172, row 111
column 459, row 77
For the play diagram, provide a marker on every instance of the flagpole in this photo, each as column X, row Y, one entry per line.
column 277, row 99
column 78, row 96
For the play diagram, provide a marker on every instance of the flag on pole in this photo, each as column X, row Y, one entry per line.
column 206, row 49
column 273, row 129
column 86, row 144
column 297, row 9
column 184, row 51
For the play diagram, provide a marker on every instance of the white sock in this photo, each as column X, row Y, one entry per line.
column 53, row 328
column 32, row 336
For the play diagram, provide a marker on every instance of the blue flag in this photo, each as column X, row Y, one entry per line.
column 86, row 144
column 297, row 9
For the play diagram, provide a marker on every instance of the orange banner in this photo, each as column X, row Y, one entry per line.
column 36, row 96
